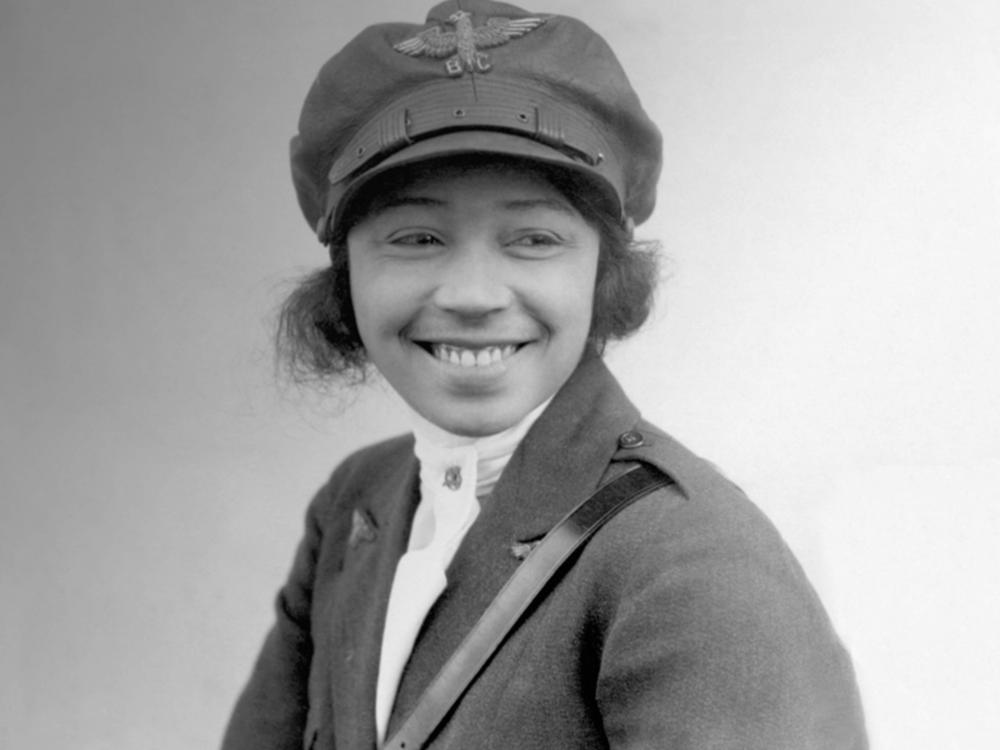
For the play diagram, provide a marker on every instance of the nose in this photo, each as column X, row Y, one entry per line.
column 472, row 281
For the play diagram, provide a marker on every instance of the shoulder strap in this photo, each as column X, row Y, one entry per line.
column 518, row 593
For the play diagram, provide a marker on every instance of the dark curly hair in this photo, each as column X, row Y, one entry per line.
column 317, row 336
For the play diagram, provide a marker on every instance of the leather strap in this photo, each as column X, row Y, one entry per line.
column 504, row 612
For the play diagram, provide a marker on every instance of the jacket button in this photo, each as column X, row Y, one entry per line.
column 631, row 439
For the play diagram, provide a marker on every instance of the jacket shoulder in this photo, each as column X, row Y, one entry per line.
column 702, row 507
column 693, row 476
column 695, row 570
column 365, row 473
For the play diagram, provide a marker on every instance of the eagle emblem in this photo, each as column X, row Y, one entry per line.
column 462, row 45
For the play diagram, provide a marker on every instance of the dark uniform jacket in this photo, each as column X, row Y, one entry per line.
column 684, row 624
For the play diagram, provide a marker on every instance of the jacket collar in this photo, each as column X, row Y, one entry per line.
column 559, row 463
column 356, row 616
column 564, row 456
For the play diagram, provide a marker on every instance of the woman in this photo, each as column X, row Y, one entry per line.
column 477, row 180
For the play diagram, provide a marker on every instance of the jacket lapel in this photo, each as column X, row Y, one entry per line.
column 559, row 463
column 379, row 527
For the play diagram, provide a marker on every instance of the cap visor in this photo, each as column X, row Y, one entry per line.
column 464, row 142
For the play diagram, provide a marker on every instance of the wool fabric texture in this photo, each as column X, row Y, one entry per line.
column 685, row 623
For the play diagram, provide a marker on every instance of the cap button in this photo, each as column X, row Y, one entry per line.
column 453, row 477
column 631, row 439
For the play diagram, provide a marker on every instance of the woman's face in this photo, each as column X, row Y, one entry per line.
column 473, row 292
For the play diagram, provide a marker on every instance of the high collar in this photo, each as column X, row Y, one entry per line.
column 437, row 449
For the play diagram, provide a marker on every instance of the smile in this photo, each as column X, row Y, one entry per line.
column 466, row 357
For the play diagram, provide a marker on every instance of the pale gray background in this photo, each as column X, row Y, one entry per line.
column 828, row 335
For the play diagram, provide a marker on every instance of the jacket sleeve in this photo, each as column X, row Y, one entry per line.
column 270, row 714
column 718, row 641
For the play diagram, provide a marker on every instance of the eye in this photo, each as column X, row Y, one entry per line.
column 537, row 243
column 415, row 238
column 536, row 239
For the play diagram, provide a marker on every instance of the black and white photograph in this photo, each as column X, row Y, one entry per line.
column 469, row 374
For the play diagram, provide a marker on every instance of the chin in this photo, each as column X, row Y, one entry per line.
column 476, row 428
column 474, row 423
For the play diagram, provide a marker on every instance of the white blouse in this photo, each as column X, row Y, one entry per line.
column 456, row 472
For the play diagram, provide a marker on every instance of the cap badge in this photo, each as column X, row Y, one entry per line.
column 462, row 45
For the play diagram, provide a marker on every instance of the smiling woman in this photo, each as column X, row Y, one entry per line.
column 318, row 335
column 472, row 291
column 478, row 210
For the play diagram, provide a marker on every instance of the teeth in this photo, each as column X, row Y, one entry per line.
column 462, row 357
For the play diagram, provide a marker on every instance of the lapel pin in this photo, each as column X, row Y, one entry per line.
column 362, row 528
column 520, row 550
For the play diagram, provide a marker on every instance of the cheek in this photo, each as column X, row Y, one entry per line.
column 585, row 309
column 385, row 300
column 584, row 288
column 565, row 299
column 365, row 292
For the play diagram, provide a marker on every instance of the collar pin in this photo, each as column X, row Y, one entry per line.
column 453, row 477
